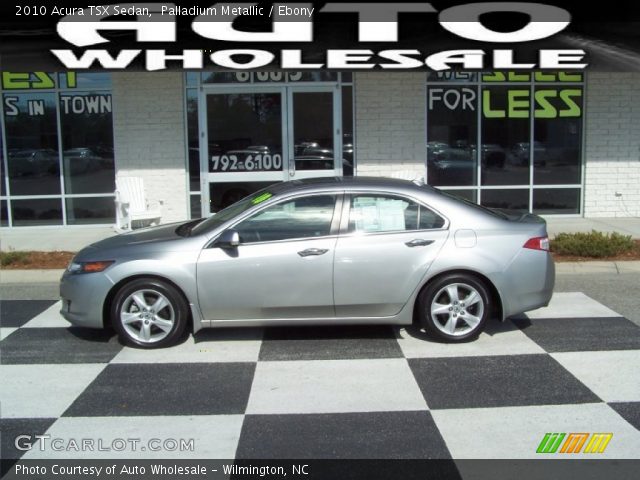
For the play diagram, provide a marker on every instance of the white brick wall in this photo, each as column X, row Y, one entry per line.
column 390, row 122
column 612, row 175
column 148, row 124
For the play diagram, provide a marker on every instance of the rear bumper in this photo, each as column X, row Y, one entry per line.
column 528, row 282
column 83, row 298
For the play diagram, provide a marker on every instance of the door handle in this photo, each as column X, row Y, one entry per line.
column 419, row 242
column 309, row 252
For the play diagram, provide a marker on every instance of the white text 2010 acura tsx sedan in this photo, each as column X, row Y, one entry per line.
column 318, row 251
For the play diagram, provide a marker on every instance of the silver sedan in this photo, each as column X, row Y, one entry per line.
column 318, row 251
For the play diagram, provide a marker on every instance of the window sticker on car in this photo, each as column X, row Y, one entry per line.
column 261, row 198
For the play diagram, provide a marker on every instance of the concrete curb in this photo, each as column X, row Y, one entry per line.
column 30, row 276
column 562, row 268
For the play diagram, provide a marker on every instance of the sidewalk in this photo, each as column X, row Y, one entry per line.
column 562, row 268
column 626, row 226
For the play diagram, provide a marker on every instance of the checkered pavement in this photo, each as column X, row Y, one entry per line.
column 332, row 392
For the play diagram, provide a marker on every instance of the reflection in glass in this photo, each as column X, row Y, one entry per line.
column 348, row 147
column 221, row 195
column 510, row 199
column 244, row 132
column 4, row 215
column 558, row 134
column 45, row 211
column 85, row 80
column 505, row 136
column 2, row 182
column 451, row 135
column 469, row 195
column 196, row 208
column 193, row 140
column 32, row 143
column 452, row 76
column 87, row 142
column 313, row 130
column 300, row 218
column 556, row 201
column 86, row 210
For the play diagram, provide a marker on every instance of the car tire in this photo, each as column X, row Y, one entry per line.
column 454, row 308
column 149, row 313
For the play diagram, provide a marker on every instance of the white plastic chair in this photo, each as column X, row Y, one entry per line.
column 132, row 205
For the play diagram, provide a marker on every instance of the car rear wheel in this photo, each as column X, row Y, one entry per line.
column 149, row 313
column 454, row 308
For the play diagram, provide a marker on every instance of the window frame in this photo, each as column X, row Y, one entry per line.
column 346, row 211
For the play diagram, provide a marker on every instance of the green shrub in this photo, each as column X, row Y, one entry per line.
column 13, row 258
column 594, row 244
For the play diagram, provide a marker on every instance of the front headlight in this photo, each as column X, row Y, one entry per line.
column 89, row 267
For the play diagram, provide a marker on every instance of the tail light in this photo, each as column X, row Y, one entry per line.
column 537, row 243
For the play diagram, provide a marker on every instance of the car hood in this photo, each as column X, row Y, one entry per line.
column 145, row 236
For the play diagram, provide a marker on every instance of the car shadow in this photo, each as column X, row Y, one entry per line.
column 94, row 335
column 494, row 327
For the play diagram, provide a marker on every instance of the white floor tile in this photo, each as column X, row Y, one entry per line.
column 40, row 391
column 5, row 332
column 49, row 318
column 213, row 345
column 499, row 339
column 334, row 386
column 516, row 432
column 214, row 436
column 612, row 375
column 571, row 305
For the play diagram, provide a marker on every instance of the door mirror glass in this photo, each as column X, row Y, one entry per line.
column 228, row 239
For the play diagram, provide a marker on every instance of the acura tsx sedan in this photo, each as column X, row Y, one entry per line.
column 318, row 251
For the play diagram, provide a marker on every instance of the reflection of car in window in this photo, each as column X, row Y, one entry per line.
column 42, row 161
column 519, row 154
column 81, row 160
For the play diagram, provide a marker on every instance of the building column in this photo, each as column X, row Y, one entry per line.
column 149, row 136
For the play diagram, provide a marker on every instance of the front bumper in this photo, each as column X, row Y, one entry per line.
column 83, row 296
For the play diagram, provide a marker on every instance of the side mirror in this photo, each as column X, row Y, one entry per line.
column 228, row 239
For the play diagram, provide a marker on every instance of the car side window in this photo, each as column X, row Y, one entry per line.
column 388, row 213
column 302, row 217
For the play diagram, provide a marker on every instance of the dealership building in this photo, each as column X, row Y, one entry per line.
column 555, row 144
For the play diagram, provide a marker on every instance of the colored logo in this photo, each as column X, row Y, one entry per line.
column 573, row 442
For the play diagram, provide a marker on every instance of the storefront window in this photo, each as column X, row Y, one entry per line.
column 518, row 130
column 58, row 131
column 452, row 121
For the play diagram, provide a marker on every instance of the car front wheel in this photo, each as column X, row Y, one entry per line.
column 149, row 313
column 454, row 308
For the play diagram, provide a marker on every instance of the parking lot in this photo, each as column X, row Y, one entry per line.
column 337, row 392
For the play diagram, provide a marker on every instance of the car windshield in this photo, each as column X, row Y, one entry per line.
column 231, row 211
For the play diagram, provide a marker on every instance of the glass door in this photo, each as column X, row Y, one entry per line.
column 314, row 132
column 252, row 137
column 245, row 144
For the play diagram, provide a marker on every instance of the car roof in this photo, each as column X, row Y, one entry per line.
column 360, row 182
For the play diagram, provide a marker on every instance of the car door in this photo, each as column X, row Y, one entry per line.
column 386, row 247
column 283, row 267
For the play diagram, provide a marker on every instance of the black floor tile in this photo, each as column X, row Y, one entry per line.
column 59, row 345
column 11, row 428
column 630, row 411
column 581, row 334
column 497, row 381
column 166, row 389
column 375, row 435
column 330, row 343
column 15, row 313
